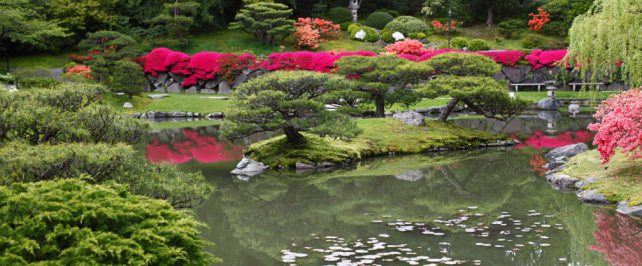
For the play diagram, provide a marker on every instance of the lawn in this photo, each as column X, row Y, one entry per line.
column 535, row 96
column 176, row 102
column 39, row 59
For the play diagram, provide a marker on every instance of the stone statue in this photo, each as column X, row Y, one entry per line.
column 354, row 6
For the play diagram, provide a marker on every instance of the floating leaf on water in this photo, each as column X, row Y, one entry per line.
column 531, row 210
column 501, row 239
column 444, row 243
column 560, row 228
column 549, row 216
column 545, row 245
column 331, row 237
column 385, row 216
column 438, row 234
column 479, row 214
column 472, row 207
column 461, row 210
column 519, row 245
column 562, row 259
column 366, row 213
column 361, row 251
column 470, row 230
column 544, row 237
column 376, row 221
column 499, row 246
column 546, row 225
column 384, row 235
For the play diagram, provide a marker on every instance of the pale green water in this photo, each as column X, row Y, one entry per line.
column 253, row 221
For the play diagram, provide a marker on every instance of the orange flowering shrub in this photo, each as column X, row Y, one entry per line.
column 82, row 70
column 538, row 20
column 408, row 46
column 309, row 33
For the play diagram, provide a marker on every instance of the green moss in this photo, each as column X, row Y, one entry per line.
column 381, row 136
column 618, row 179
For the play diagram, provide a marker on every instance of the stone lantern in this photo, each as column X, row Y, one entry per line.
column 550, row 87
column 549, row 103
column 354, row 6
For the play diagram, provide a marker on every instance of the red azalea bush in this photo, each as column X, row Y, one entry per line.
column 155, row 61
column 82, row 70
column 207, row 65
column 309, row 33
column 621, row 126
column 538, row 20
column 443, row 28
column 79, row 59
column 509, row 58
column 539, row 58
column 408, row 46
column 177, row 62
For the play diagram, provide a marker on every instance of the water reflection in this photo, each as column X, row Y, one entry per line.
column 619, row 238
column 191, row 144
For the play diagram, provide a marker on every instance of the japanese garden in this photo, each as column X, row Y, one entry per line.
column 325, row 132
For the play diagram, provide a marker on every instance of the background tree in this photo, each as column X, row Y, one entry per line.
column 178, row 16
column 264, row 21
column 469, row 78
column 610, row 33
column 75, row 222
column 105, row 47
column 81, row 17
column 22, row 23
column 376, row 75
column 128, row 78
column 288, row 101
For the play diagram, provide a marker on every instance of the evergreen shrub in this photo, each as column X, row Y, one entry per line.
column 458, row 43
column 378, row 20
column 407, row 25
column 386, row 35
column 353, row 27
column 71, row 222
column 345, row 25
column 339, row 15
column 38, row 82
column 533, row 40
column 478, row 45
column 371, row 34
column 511, row 27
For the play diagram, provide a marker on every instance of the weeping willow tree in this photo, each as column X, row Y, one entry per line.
column 609, row 33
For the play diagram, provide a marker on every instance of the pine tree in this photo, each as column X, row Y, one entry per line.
column 469, row 78
column 265, row 21
column 375, row 75
column 178, row 17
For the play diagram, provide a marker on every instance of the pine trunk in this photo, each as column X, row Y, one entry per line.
column 380, row 107
column 449, row 108
column 489, row 20
column 292, row 134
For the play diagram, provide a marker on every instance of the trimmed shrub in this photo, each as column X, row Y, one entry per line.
column 407, row 25
column 345, row 25
column 478, row 45
column 532, row 41
column 458, row 43
column 37, row 82
column 386, row 35
column 393, row 13
column 413, row 35
column 128, row 78
column 443, row 46
column 378, row 20
column 510, row 27
column 353, row 27
column 371, row 35
column 339, row 15
column 421, row 35
column 72, row 222
column 374, row 49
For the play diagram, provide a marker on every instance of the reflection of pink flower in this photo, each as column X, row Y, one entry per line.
column 619, row 237
column 204, row 149
column 539, row 140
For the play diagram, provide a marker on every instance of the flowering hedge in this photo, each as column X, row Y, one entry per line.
column 207, row 65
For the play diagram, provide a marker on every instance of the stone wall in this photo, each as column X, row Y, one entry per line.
column 170, row 82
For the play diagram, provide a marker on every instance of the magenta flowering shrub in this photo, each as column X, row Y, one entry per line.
column 539, row 58
column 177, row 62
column 207, row 65
column 508, row 58
column 155, row 61
column 304, row 60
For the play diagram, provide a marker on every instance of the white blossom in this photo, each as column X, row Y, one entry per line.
column 398, row 36
column 360, row 35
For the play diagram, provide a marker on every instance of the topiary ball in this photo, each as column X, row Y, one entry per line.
column 378, row 20
column 478, row 45
column 459, row 43
column 386, row 35
column 339, row 15
column 353, row 27
column 345, row 25
column 421, row 35
column 407, row 25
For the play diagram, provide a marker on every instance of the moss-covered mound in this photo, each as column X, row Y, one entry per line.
column 618, row 180
column 380, row 137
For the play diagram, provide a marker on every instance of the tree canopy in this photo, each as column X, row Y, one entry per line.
column 24, row 23
column 289, row 101
column 265, row 21
column 610, row 33
column 468, row 78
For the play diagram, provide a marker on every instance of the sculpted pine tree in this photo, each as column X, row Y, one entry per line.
column 375, row 75
column 264, row 21
column 178, row 16
column 611, row 32
column 289, row 101
column 468, row 78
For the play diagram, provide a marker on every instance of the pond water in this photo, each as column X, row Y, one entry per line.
column 471, row 207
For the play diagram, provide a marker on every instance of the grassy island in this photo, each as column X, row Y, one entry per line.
column 380, row 136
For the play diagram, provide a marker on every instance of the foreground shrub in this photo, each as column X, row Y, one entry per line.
column 70, row 222
column 459, row 43
column 378, row 20
column 37, row 82
column 478, row 45
column 365, row 34
column 408, row 46
column 353, row 27
column 339, row 15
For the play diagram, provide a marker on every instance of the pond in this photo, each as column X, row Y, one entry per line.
column 471, row 207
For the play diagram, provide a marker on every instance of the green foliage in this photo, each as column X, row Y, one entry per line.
column 510, row 27
column 461, row 64
column 106, row 40
column 555, row 28
column 413, row 35
column 81, row 17
column 70, row 222
column 265, row 21
column 609, row 33
column 353, row 27
column 421, row 35
column 459, row 43
column 32, row 72
column 375, row 75
column 386, row 35
column 318, row 10
column 378, row 20
column 372, row 48
column 345, row 26
column 128, row 78
column 562, row 14
column 443, row 46
column 407, row 25
column 371, row 34
column 339, row 15
column 478, row 45
column 288, row 101
column 533, row 40
column 21, row 22
column 178, row 16
column 37, row 82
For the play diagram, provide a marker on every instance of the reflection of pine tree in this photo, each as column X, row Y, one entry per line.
column 619, row 237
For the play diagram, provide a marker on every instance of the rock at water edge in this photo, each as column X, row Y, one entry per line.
column 411, row 118
column 568, row 151
column 248, row 167
column 410, row 176
column 128, row 105
column 549, row 104
column 623, row 208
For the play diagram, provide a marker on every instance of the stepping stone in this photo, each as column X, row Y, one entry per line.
column 157, row 96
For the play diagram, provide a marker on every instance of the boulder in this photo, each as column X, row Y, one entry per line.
column 549, row 104
column 160, row 114
column 178, row 77
column 411, row 118
column 574, row 108
column 563, row 181
column 160, row 89
column 224, row 88
column 410, row 176
column 213, row 83
column 168, row 81
column 207, row 91
column 190, row 114
column 143, row 116
column 553, row 165
column 240, row 79
column 623, row 208
column 248, row 167
column 151, row 114
column 568, row 151
column 161, row 77
column 174, row 87
column 591, row 196
column 192, row 89
column 300, row 166
column 421, row 110
column 499, row 76
column 525, row 69
column 585, row 182
column 177, row 114
column 617, row 86
column 150, row 77
column 387, row 113
column 157, row 96
column 539, row 78
column 512, row 73
column 128, row 105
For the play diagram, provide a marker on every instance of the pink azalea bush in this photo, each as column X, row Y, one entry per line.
column 539, row 58
column 411, row 47
column 621, row 124
column 309, row 32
